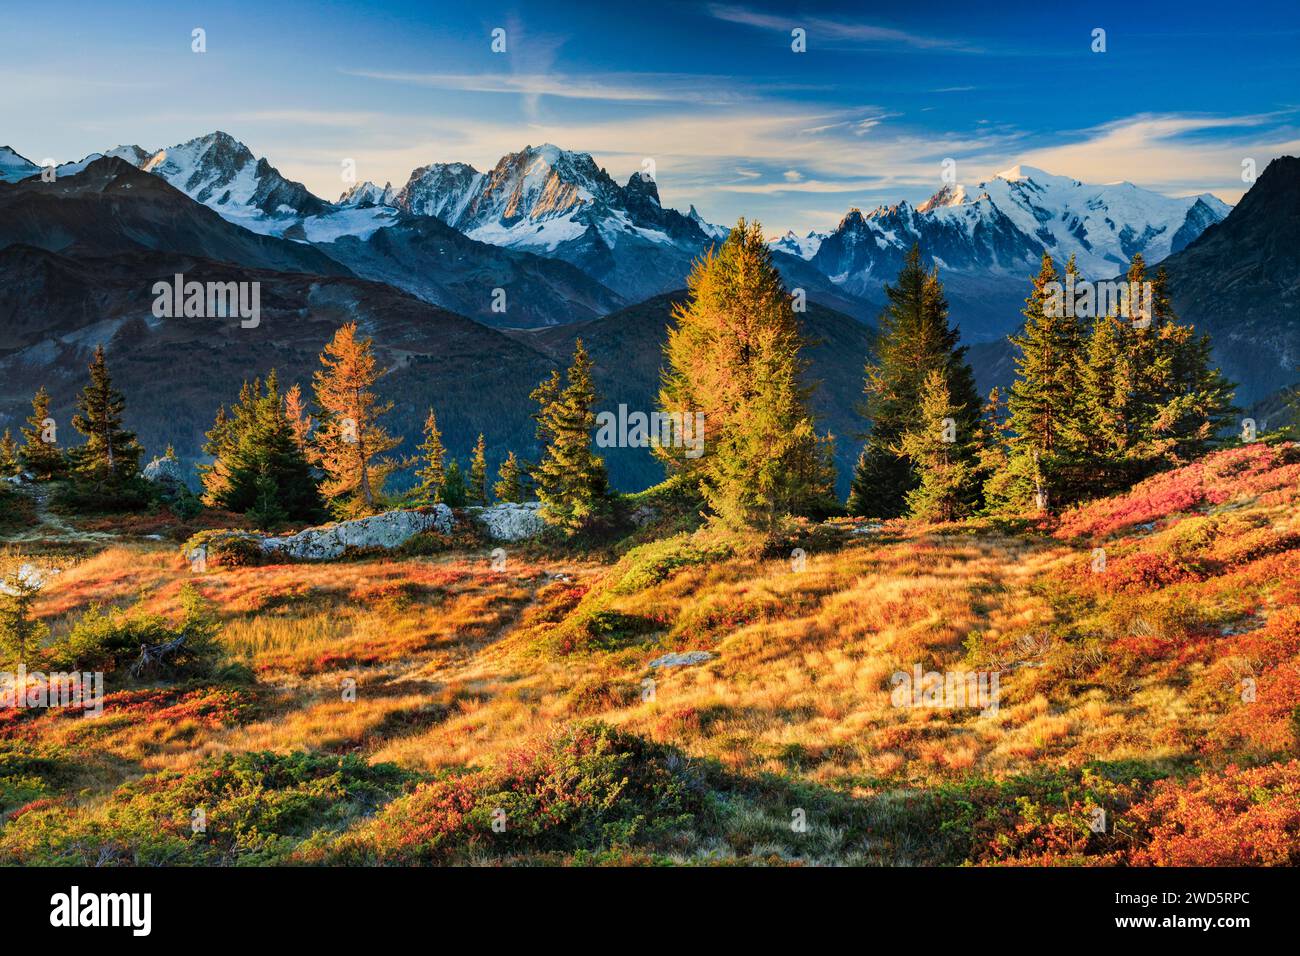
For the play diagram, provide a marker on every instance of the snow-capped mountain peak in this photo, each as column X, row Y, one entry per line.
column 367, row 194
column 14, row 166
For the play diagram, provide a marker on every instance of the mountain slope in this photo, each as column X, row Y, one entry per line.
column 174, row 372
column 111, row 207
column 1240, row 281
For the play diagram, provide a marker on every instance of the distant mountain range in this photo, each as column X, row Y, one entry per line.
column 574, row 253
column 561, row 206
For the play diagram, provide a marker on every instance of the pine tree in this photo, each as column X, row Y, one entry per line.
column 571, row 480
column 734, row 355
column 454, row 493
column 110, row 457
column 9, row 462
column 478, row 469
column 431, row 472
column 348, row 439
column 1043, row 410
column 914, row 339
column 510, row 486
column 258, row 466
column 941, row 457
column 40, row 454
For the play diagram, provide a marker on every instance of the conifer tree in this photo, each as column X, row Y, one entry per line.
column 571, row 481
column 110, row 457
column 477, row 491
column 9, row 462
column 454, row 493
column 431, row 472
column 21, row 632
column 510, row 483
column 258, row 466
column 734, row 354
column 40, row 454
column 295, row 412
column 1043, row 408
column 348, row 439
column 942, row 459
column 914, row 339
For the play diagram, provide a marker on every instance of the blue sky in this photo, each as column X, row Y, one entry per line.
column 735, row 121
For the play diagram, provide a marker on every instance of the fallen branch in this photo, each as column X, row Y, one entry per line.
column 155, row 655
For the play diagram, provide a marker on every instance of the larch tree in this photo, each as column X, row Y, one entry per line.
column 431, row 471
column 733, row 354
column 478, row 471
column 942, row 459
column 349, row 440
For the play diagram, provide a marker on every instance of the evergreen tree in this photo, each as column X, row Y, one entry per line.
column 734, row 354
column 914, row 339
column 510, row 484
column 454, row 493
column 1043, row 410
column 571, row 480
column 348, row 439
column 40, row 454
column 431, row 472
column 9, row 461
column 478, row 474
column 110, row 457
column 21, row 632
column 942, row 458
column 258, row 466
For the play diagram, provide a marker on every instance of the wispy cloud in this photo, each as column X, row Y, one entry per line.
column 674, row 88
column 836, row 29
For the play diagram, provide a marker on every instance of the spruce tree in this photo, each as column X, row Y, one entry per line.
column 431, row 472
column 478, row 469
column 110, row 457
column 348, row 439
column 454, row 493
column 21, row 632
column 571, row 480
column 734, row 354
column 942, row 459
column 40, row 454
column 913, row 339
column 510, row 483
column 1043, row 408
column 258, row 466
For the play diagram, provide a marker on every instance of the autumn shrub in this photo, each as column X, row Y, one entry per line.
column 588, row 787
column 1240, row 817
column 256, row 808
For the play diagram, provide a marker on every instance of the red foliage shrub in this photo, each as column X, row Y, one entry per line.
column 1235, row 818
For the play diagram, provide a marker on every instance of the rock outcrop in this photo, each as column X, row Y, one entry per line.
column 379, row 532
column 510, row 522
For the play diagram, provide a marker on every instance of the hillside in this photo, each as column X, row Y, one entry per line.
column 1146, row 711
